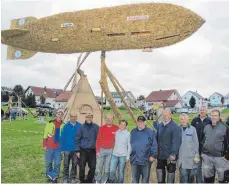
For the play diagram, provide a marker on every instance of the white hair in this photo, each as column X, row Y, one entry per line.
column 184, row 115
column 167, row 110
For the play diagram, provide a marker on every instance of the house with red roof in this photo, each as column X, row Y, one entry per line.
column 171, row 98
column 62, row 99
column 49, row 94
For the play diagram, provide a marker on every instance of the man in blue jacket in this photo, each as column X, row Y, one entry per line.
column 144, row 151
column 169, row 141
column 85, row 148
column 67, row 145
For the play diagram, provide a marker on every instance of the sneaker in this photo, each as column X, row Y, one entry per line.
column 54, row 181
column 65, row 181
column 73, row 181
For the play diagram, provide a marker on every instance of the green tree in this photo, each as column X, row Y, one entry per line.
column 141, row 97
column 4, row 96
column 31, row 101
column 192, row 102
column 18, row 89
column 42, row 99
column 222, row 100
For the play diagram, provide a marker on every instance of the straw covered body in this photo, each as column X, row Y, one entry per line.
column 136, row 26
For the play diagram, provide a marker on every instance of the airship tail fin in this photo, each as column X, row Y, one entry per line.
column 17, row 23
column 13, row 32
column 14, row 53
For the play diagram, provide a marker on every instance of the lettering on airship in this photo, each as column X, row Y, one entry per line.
column 142, row 17
column 18, row 54
column 68, row 24
column 21, row 22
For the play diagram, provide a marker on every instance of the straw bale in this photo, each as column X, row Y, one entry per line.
column 136, row 26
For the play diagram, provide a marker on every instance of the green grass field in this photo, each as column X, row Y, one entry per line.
column 22, row 153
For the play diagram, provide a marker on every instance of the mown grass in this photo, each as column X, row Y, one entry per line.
column 22, row 153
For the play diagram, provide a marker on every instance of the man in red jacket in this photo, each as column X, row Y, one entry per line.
column 104, row 147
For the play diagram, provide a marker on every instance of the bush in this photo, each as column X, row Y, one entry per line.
column 107, row 108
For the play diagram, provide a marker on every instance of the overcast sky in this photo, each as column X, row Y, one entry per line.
column 200, row 62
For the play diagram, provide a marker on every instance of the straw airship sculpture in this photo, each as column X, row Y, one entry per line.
column 143, row 26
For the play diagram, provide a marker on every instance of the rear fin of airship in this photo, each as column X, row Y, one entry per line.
column 18, row 23
column 14, row 53
column 17, row 29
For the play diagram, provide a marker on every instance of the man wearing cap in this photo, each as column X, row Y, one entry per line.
column 144, row 151
column 67, row 145
column 169, row 141
column 104, row 148
column 51, row 142
column 85, row 148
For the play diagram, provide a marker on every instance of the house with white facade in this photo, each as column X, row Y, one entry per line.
column 171, row 98
column 118, row 101
column 215, row 99
column 62, row 99
column 48, row 93
column 227, row 99
column 200, row 101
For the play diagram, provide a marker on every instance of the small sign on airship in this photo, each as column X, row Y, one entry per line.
column 18, row 54
column 142, row 17
column 67, row 24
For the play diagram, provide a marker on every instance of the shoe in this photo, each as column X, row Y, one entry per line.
column 65, row 181
column 73, row 181
column 49, row 180
column 54, row 181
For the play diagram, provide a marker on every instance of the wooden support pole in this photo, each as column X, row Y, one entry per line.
column 105, row 88
column 129, row 97
column 101, row 107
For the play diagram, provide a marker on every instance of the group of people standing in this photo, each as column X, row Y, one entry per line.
column 108, row 148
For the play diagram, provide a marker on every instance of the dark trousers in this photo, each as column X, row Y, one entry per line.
column 140, row 170
column 87, row 156
column 70, row 156
column 161, row 164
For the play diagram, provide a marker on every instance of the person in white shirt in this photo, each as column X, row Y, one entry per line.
column 121, row 153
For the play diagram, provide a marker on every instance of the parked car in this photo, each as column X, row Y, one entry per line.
column 182, row 110
column 192, row 111
column 17, row 110
column 172, row 109
column 149, row 114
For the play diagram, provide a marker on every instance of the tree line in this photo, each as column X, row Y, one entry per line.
column 18, row 90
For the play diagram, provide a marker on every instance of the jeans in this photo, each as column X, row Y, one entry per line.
column 119, row 162
column 140, row 170
column 199, row 177
column 187, row 175
column 52, row 156
column 103, row 161
column 87, row 156
column 70, row 156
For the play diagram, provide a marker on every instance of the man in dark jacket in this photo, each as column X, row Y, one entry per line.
column 85, row 148
column 199, row 123
column 169, row 141
column 144, row 151
column 215, row 152
column 67, row 145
